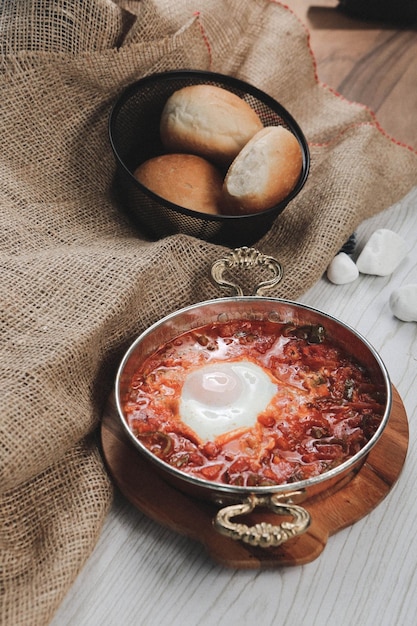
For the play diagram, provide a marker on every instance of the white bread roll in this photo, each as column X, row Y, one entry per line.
column 184, row 179
column 208, row 121
column 264, row 172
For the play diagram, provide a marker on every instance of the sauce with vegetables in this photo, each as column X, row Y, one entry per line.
column 253, row 403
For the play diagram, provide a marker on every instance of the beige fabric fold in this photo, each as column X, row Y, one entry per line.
column 78, row 282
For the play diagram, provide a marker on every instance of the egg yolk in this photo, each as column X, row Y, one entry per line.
column 222, row 397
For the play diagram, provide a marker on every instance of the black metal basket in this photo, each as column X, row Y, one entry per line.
column 134, row 137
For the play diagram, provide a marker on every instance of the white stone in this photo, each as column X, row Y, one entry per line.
column 403, row 303
column 342, row 269
column 382, row 254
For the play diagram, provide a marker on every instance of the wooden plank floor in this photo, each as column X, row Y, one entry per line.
column 366, row 61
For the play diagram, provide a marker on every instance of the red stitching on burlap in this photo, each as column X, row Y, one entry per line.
column 375, row 121
column 373, row 124
column 205, row 37
column 372, row 114
column 307, row 32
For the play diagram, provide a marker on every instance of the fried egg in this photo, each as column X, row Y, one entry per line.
column 221, row 397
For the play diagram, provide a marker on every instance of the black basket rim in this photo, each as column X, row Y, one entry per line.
column 273, row 104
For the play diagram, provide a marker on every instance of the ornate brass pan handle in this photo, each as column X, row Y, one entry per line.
column 246, row 258
column 264, row 534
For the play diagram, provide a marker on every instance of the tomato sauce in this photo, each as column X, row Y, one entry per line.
column 324, row 411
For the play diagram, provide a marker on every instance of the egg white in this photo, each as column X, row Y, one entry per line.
column 222, row 397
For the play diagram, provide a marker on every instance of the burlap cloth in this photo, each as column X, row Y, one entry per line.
column 78, row 282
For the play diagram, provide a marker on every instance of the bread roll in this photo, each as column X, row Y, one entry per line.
column 184, row 179
column 208, row 121
column 264, row 172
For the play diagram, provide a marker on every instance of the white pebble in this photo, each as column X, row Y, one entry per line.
column 342, row 269
column 403, row 303
column 382, row 254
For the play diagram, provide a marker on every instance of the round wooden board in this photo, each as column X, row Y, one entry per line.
column 146, row 490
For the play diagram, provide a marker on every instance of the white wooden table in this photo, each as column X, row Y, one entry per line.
column 143, row 574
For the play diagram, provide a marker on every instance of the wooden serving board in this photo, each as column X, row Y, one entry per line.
column 146, row 490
